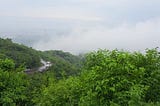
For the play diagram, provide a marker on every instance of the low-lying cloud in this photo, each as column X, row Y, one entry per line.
column 82, row 25
column 129, row 37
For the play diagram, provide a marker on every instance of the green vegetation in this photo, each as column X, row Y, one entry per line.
column 64, row 64
column 13, row 84
column 108, row 78
column 19, row 53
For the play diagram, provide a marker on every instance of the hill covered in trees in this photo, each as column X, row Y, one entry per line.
column 19, row 53
column 62, row 63
column 107, row 78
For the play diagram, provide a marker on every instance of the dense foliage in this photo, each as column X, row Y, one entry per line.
column 18, row 88
column 19, row 53
column 13, row 84
column 64, row 64
column 108, row 78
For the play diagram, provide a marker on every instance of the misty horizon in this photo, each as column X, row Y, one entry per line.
column 82, row 25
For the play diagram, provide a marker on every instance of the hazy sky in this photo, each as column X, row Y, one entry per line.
column 82, row 25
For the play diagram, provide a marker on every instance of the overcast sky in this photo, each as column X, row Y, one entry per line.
column 82, row 25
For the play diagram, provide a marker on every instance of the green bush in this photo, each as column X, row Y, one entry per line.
column 13, row 85
column 110, row 78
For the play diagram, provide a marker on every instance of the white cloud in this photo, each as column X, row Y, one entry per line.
column 142, row 35
column 90, row 24
column 64, row 13
column 68, row 12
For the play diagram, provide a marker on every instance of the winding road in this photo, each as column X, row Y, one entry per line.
column 44, row 67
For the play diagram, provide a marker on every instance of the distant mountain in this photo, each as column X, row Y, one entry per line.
column 63, row 63
column 19, row 53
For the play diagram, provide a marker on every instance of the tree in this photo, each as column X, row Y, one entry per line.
column 13, row 85
column 7, row 65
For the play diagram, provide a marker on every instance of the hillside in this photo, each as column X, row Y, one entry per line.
column 64, row 64
column 19, row 53
column 106, row 78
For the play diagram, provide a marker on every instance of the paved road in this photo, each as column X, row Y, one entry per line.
column 44, row 67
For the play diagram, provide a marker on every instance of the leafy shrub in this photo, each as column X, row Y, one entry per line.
column 110, row 78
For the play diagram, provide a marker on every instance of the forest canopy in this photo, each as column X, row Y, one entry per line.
column 106, row 78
